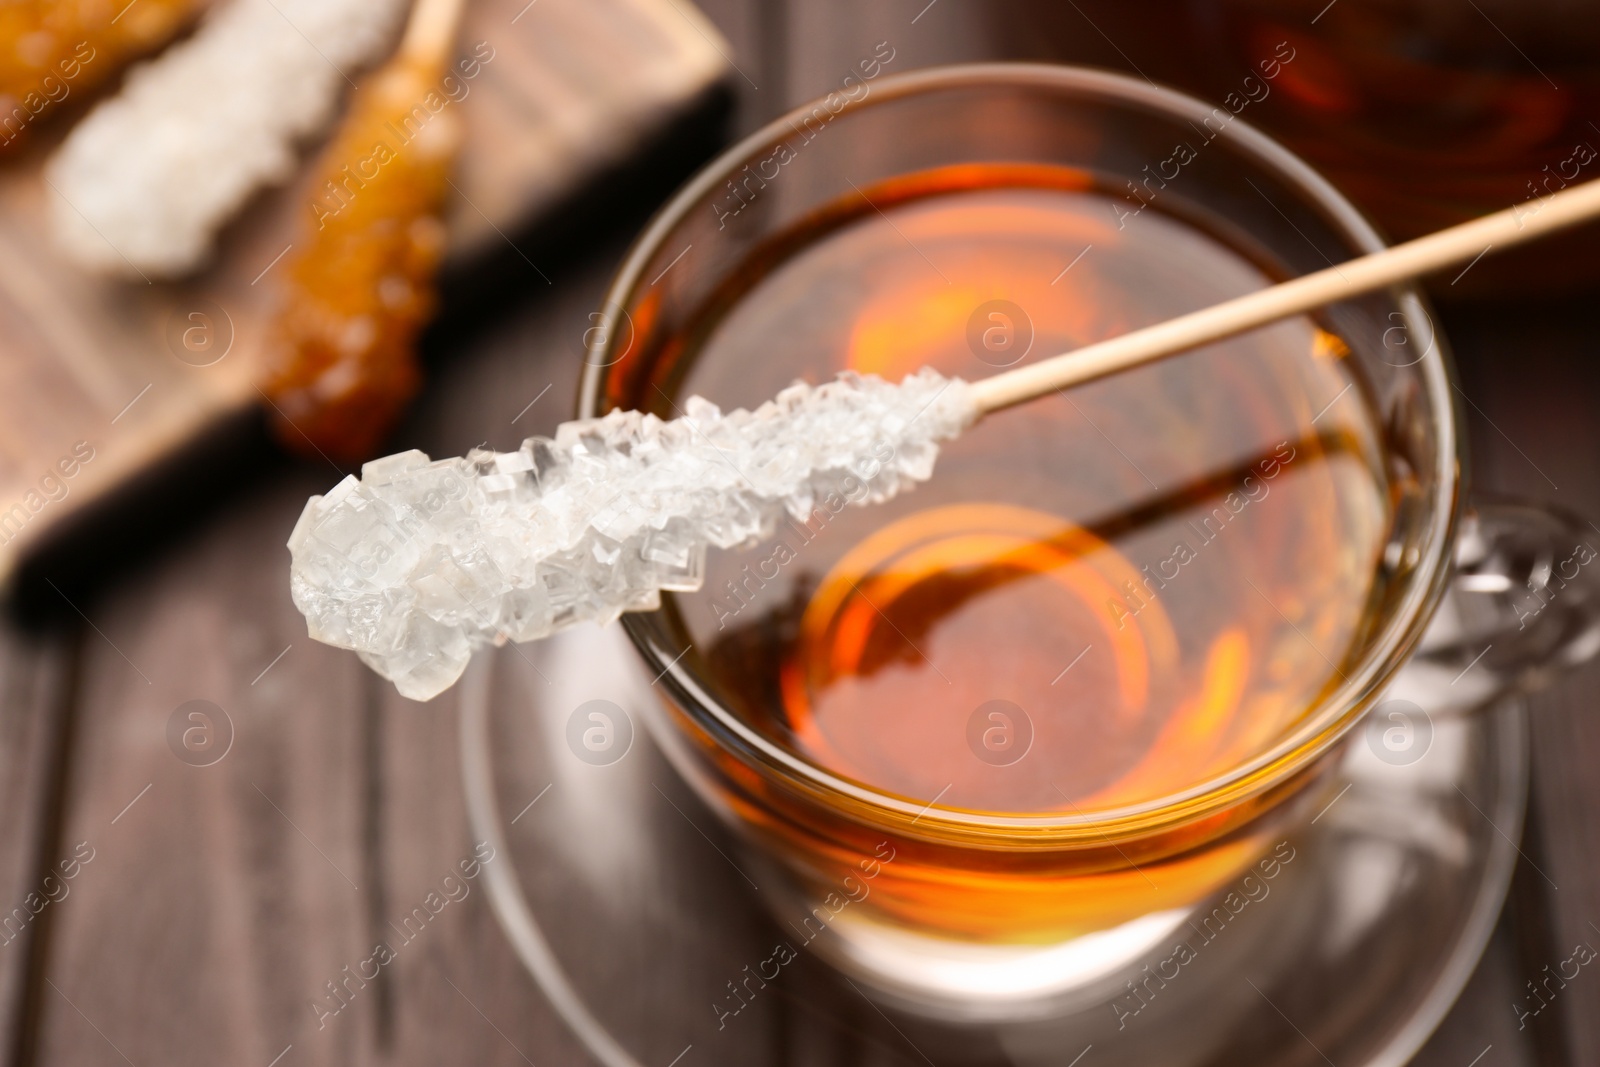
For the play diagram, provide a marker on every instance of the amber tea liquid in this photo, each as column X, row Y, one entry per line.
column 1100, row 599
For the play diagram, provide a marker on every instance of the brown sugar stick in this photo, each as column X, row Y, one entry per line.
column 341, row 360
column 51, row 50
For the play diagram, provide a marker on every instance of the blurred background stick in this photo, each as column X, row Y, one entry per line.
column 342, row 360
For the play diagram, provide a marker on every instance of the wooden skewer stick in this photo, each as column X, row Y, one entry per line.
column 1515, row 225
column 431, row 31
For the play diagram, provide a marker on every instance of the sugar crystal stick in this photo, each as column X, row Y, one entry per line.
column 145, row 181
column 419, row 562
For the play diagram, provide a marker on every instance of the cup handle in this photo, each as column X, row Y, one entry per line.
column 1522, row 607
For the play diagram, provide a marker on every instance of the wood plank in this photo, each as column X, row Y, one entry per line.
column 572, row 90
column 482, row 1005
column 454, row 991
column 457, row 992
column 1480, row 1020
column 1531, row 384
column 35, row 689
column 220, row 898
column 753, row 32
column 827, row 43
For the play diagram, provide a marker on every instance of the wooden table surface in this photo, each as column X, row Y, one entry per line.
column 218, row 899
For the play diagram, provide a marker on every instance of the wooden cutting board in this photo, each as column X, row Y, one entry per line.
column 102, row 379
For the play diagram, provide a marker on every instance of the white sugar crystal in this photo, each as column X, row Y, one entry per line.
column 419, row 562
column 151, row 174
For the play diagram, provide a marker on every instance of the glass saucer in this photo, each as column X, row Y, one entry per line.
column 645, row 923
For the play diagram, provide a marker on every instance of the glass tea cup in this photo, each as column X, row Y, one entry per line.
column 965, row 910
